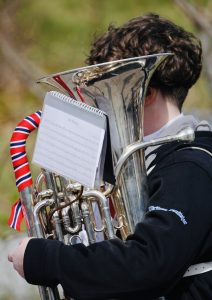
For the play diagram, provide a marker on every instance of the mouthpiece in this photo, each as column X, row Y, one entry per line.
column 187, row 134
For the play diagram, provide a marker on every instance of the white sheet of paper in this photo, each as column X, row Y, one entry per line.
column 68, row 145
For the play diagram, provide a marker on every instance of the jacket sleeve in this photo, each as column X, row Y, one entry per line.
column 151, row 261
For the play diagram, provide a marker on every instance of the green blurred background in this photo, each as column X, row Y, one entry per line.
column 41, row 37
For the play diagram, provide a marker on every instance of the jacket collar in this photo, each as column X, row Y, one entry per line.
column 202, row 130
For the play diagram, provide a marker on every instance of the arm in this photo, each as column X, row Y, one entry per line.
column 150, row 261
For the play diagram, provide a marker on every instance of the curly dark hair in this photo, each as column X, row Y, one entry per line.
column 150, row 34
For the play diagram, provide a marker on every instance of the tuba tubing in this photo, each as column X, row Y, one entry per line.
column 35, row 203
column 185, row 135
column 24, row 184
column 57, row 208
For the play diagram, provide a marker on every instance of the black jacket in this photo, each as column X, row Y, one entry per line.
column 175, row 233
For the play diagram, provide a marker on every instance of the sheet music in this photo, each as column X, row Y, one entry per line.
column 69, row 145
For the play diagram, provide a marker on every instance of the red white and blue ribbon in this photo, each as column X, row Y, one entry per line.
column 16, row 215
column 20, row 163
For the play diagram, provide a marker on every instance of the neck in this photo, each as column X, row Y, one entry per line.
column 159, row 113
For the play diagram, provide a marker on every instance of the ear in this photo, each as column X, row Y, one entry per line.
column 150, row 96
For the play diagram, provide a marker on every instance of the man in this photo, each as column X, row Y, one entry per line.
column 177, row 229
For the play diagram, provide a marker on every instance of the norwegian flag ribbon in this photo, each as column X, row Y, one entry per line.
column 16, row 215
column 20, row 163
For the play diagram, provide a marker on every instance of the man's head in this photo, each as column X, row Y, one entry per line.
column 151, row 34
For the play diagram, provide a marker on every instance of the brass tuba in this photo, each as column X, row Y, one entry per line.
column 59, row 208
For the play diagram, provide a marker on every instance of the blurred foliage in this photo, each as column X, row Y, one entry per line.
column 54, row 36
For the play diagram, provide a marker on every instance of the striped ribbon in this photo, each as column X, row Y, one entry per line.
column 20, row 163
column 21, row 166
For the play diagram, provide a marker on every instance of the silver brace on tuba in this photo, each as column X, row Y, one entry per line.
column 59, row 208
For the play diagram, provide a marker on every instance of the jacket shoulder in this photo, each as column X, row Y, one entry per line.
column 199, row 152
